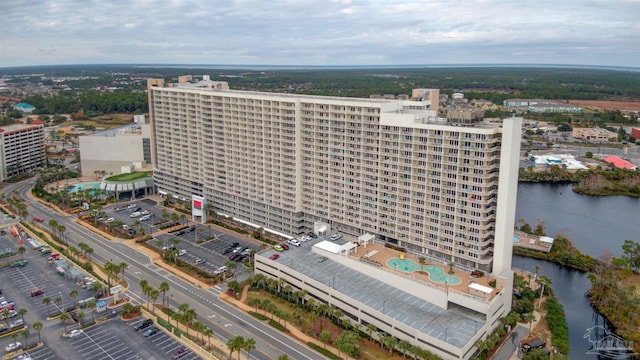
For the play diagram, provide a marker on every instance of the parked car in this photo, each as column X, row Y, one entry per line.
column 145, row 218
column 285, row 246
column 180, row 353
column 151, row 331
column 16, row 323
column 294, row 242
column 313, row 235
column 36, row 292
column 19, row 263
column 74, row 333
column 135, row 214
column 38, row 219
column 13, row 346
column 278, row 248
column 110, row 220
column 143, row 324
column 182, row 252
column 335, row 237
column 145, row 212
column 274, row 257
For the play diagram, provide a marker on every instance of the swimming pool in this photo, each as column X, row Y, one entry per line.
column 93, row 186
column 516, row 238
column 436, row 274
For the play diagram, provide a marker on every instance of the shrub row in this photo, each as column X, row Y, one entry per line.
column 557, row 325
column 323, row 351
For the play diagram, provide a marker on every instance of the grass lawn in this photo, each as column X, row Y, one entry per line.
column 368, row 349
column 128, row 177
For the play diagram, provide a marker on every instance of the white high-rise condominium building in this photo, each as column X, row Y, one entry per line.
column 386, row 167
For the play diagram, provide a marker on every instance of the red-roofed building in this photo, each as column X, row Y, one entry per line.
column 619, row 163
column 635, row 132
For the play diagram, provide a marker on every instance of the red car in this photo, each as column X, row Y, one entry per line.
column 274, row 257
column 38, row 219
column 285, row 246
column 36, row 292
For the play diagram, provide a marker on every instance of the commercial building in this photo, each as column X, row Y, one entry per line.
column 594, row 134
column 21, row 148
column 107, row 152
column 386, row 169
column 541, row 105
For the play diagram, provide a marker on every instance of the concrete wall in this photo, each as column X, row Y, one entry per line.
column 109, row 153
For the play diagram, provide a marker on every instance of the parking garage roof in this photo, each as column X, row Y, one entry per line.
column 456, row 325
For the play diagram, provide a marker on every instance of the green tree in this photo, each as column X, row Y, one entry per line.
column 37, row 326
column 163, row 287
column 248, row 345
column 325, row 337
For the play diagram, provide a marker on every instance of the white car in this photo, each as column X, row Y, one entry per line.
column 135, row 214
column 145, row 218
column 145, row 212
column 16, row 323
column 335, row 237
column 74, row 333
column 13, row 346
column 294, row 242
column 110, row 220
column 132, row 206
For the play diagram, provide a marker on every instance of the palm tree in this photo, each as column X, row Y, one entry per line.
column 235, row 344
column 122, row 266
column 22, row 312
column 47, row 301
column 25, row 334
column 63, row 318
column 92, row 306
column 283, row 357
column 370, row 329
column 37, row 326
column 73, row 294
column 404, row 347
column 80, row 316
column 21, row 251
column 248, row 345
column 207, row 332
column 528, row 318
column 325, row 337
column 164, row 287
column 153, row 295
column 57, row 300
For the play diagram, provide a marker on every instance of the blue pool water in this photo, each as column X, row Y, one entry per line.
column 84, row 186
column 436, row 274
column 515, row 238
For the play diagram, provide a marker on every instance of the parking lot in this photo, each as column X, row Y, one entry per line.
column 42, row 277
column 208, row 255
column 119, row 340
column 41, row 353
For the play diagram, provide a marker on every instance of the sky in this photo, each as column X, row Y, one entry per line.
column 320, row 32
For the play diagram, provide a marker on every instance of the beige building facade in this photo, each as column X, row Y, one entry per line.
column 108, row 151
column 385, row 167
column 22, row 149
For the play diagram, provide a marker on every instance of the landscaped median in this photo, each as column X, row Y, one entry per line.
column 217, row 351
column 328, row 351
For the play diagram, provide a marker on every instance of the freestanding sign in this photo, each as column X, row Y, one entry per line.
column 115, row 289
column 197, row 208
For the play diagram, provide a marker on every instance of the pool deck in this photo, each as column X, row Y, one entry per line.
column 376, row 254
column 532, row 242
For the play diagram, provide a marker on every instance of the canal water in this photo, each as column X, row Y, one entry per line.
column 596, row 225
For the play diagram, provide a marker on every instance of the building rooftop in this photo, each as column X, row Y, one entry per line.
column 619, row 163
column 132, row 129
column 456, row 325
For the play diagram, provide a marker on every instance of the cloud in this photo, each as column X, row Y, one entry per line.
column 320, row 32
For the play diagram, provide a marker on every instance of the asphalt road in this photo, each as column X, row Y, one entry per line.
column 225, row 320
